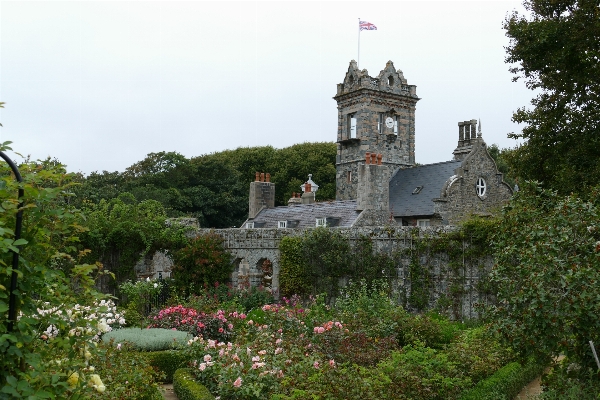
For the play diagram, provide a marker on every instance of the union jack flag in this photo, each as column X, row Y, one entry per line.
column 366, row 26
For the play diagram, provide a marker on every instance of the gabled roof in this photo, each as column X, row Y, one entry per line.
column 343, row 214
column 431, row 179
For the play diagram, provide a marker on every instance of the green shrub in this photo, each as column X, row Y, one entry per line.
column 292, row 275
column 450, row 329
column 566, row 381
column 167, row 361
column 420, row 329
column 478, row 353
column 366, row 307
column 422, row 373
column 221, row 296
column 506, row 383
column 203, row 261
column 127, row 374
column 186, row 388
column 344, row 382
column 133, row 316
column 147, row 339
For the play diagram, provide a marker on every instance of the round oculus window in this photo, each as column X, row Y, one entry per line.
column 481, row 187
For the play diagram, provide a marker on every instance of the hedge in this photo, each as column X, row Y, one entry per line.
column 186, row 388
column 168, row 361
column 506, row 383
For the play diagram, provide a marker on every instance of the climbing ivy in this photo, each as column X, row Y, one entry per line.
column 465, row 247
column 293, row 278
column 321, row 260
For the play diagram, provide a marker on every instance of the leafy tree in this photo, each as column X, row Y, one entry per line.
column 501, row 157
column 97, row 186
column 214, row 187
column 204, row 261
column 217, row 195
column 547, row 253
column 157, row 167
column 123, row 230
column 295, row 163
column 556, row 51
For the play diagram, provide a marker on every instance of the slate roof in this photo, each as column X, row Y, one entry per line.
column 403, row 203
column 307, row 214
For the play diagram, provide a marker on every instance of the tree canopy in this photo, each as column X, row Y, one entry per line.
column 547, row 254
column 214, row 187
column 556, row 50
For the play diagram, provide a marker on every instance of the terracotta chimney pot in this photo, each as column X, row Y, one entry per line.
column 262, row 176
column 373, row 158
column 379, row 157
column 257, row 177
column 368, row 156
column 268, row 177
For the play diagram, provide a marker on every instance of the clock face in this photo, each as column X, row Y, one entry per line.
column 389, row 122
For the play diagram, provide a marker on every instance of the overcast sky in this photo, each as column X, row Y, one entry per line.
column 100, row 84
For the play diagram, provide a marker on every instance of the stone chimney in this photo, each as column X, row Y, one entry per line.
column 467, row 137
column 262, row 194
column 309, row 188
column 308, row 197
column 373, row 191
column 295, row 199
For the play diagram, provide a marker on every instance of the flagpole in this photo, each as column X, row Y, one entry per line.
column 358, row 64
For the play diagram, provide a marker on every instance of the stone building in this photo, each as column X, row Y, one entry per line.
column 377, row 180
column 380, row 191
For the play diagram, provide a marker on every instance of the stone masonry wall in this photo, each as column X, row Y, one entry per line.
column 373, row 187
column 262, row 195
column 460, row 198
column 252, row 246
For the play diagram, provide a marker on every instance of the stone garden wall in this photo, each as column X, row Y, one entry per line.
column 450, row 282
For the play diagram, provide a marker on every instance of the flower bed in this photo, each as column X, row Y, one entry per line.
column 345, row 351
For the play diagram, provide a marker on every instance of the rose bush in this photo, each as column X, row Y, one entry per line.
column 214, row 325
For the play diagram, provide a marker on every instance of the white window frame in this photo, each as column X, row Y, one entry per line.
column 282, row 224
column 423, row 223
column 481, row 187
column 395, row 125
column 321, row 222
column 249, row 225
column 352, row 126
column 380, row 123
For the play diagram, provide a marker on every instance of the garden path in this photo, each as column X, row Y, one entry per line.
column 534, row 388
column 168, row 392
column 531, row 391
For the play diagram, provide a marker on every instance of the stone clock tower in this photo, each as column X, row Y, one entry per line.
column 375, row 115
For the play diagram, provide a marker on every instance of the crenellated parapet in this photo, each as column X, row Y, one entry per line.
column 389, row 80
